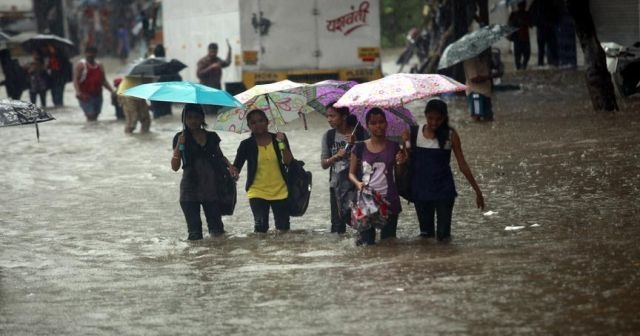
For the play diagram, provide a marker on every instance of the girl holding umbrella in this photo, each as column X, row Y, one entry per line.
column 194, row 148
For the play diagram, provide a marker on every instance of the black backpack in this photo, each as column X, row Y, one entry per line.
column 299, row 184
column 403, row 180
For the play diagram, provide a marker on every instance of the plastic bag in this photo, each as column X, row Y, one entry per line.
column 369, row 210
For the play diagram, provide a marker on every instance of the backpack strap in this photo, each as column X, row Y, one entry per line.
column 414, row 135
column 331, row 137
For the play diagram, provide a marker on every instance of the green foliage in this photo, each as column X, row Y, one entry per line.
column 398, row 16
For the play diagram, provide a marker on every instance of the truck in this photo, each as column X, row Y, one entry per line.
column 273, row 40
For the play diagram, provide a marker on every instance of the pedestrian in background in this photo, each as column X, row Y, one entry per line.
column 521, row 44
column 209, row 71
column 60, row 73
column 194, row 148
column 478, row 75
column 135, row 110
column 89, row 78
column 433, row 190
column 266, row 155
column 38, row 80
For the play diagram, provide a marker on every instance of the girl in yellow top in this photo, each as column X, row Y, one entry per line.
column 267, row 154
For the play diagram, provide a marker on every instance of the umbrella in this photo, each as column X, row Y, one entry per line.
column 282, row 101
column 183, row 92
column 17, row 112
column 472, row 44
column 330, row 91
column 154, row 67
column 36, row 42
column 398, row 89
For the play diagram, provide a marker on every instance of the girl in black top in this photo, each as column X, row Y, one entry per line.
column 195, row 148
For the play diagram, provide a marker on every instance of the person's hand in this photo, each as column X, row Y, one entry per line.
column 228, row 43
column 350, row 139
column 82, row 96
column 181, row 139
column 401, row 157
column 480, row 201
column 234, row 172
column 406, row 135
column 341, row 153
column 360, row 185
column 280, row 136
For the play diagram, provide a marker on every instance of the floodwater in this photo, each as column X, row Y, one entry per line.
column 92, row 239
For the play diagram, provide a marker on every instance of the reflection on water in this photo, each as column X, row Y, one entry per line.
column 92, row 237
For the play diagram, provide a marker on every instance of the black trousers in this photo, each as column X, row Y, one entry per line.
column 43, row 97
column 191, row 212
column 260, row 209
column 521, row 52
column 426, row 210
column 368, row 237
column 338, row 224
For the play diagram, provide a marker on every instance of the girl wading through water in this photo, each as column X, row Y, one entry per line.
column 433, row 191
column 378, row 158
column 337, row 143
column 267, row 154
column 194, row 148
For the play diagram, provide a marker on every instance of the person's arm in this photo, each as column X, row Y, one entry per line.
column 227, row 61
column 105, row 82
column 176, row 159
column 77, row 73
column 241, row 157
column 232, row 169
column 202, row 69
column 464, row 168
column 287, row 156
column 353, row 168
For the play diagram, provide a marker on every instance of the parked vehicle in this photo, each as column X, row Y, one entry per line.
column 624, row 65
column 273, row 40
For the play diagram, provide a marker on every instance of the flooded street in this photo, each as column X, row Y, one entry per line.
column 92, row 238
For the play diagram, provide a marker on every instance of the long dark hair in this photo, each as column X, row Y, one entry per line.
column 439, row 106
column 190, row 145
column 350, row 120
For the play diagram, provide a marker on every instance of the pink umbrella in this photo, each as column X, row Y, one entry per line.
column 329, row 91
column 398, row 89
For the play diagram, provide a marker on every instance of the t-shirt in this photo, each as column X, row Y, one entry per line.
column 268, row 183
column 340, row 165
column 377, row 171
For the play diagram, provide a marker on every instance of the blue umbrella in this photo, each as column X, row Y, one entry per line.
column 183, row 92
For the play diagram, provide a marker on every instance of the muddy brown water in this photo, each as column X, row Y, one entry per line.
column 92, row 240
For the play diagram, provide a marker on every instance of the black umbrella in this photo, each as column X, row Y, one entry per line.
column 37, row 42
column 156, row 67
column 18, row 112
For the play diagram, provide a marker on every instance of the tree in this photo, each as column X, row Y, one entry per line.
column 598, row 79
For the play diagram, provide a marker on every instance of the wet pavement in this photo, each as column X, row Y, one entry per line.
column 92, row 239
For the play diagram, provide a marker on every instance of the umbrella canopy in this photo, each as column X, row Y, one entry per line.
column 182, row 92
column 17, row 112
column 472, row 44
column 37, row 42
column 154, row 67
column 398, row 89
column 330, row 91
column 282, row 101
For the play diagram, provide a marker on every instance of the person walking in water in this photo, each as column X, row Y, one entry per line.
column 336, row 151
column 209, row 71
column 267, row 154
column 88, row 80
column 433, row 190
column 377, row 158
column 521, row 44
column 194, row 148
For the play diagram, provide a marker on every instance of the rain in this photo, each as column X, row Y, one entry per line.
column 93, row 241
